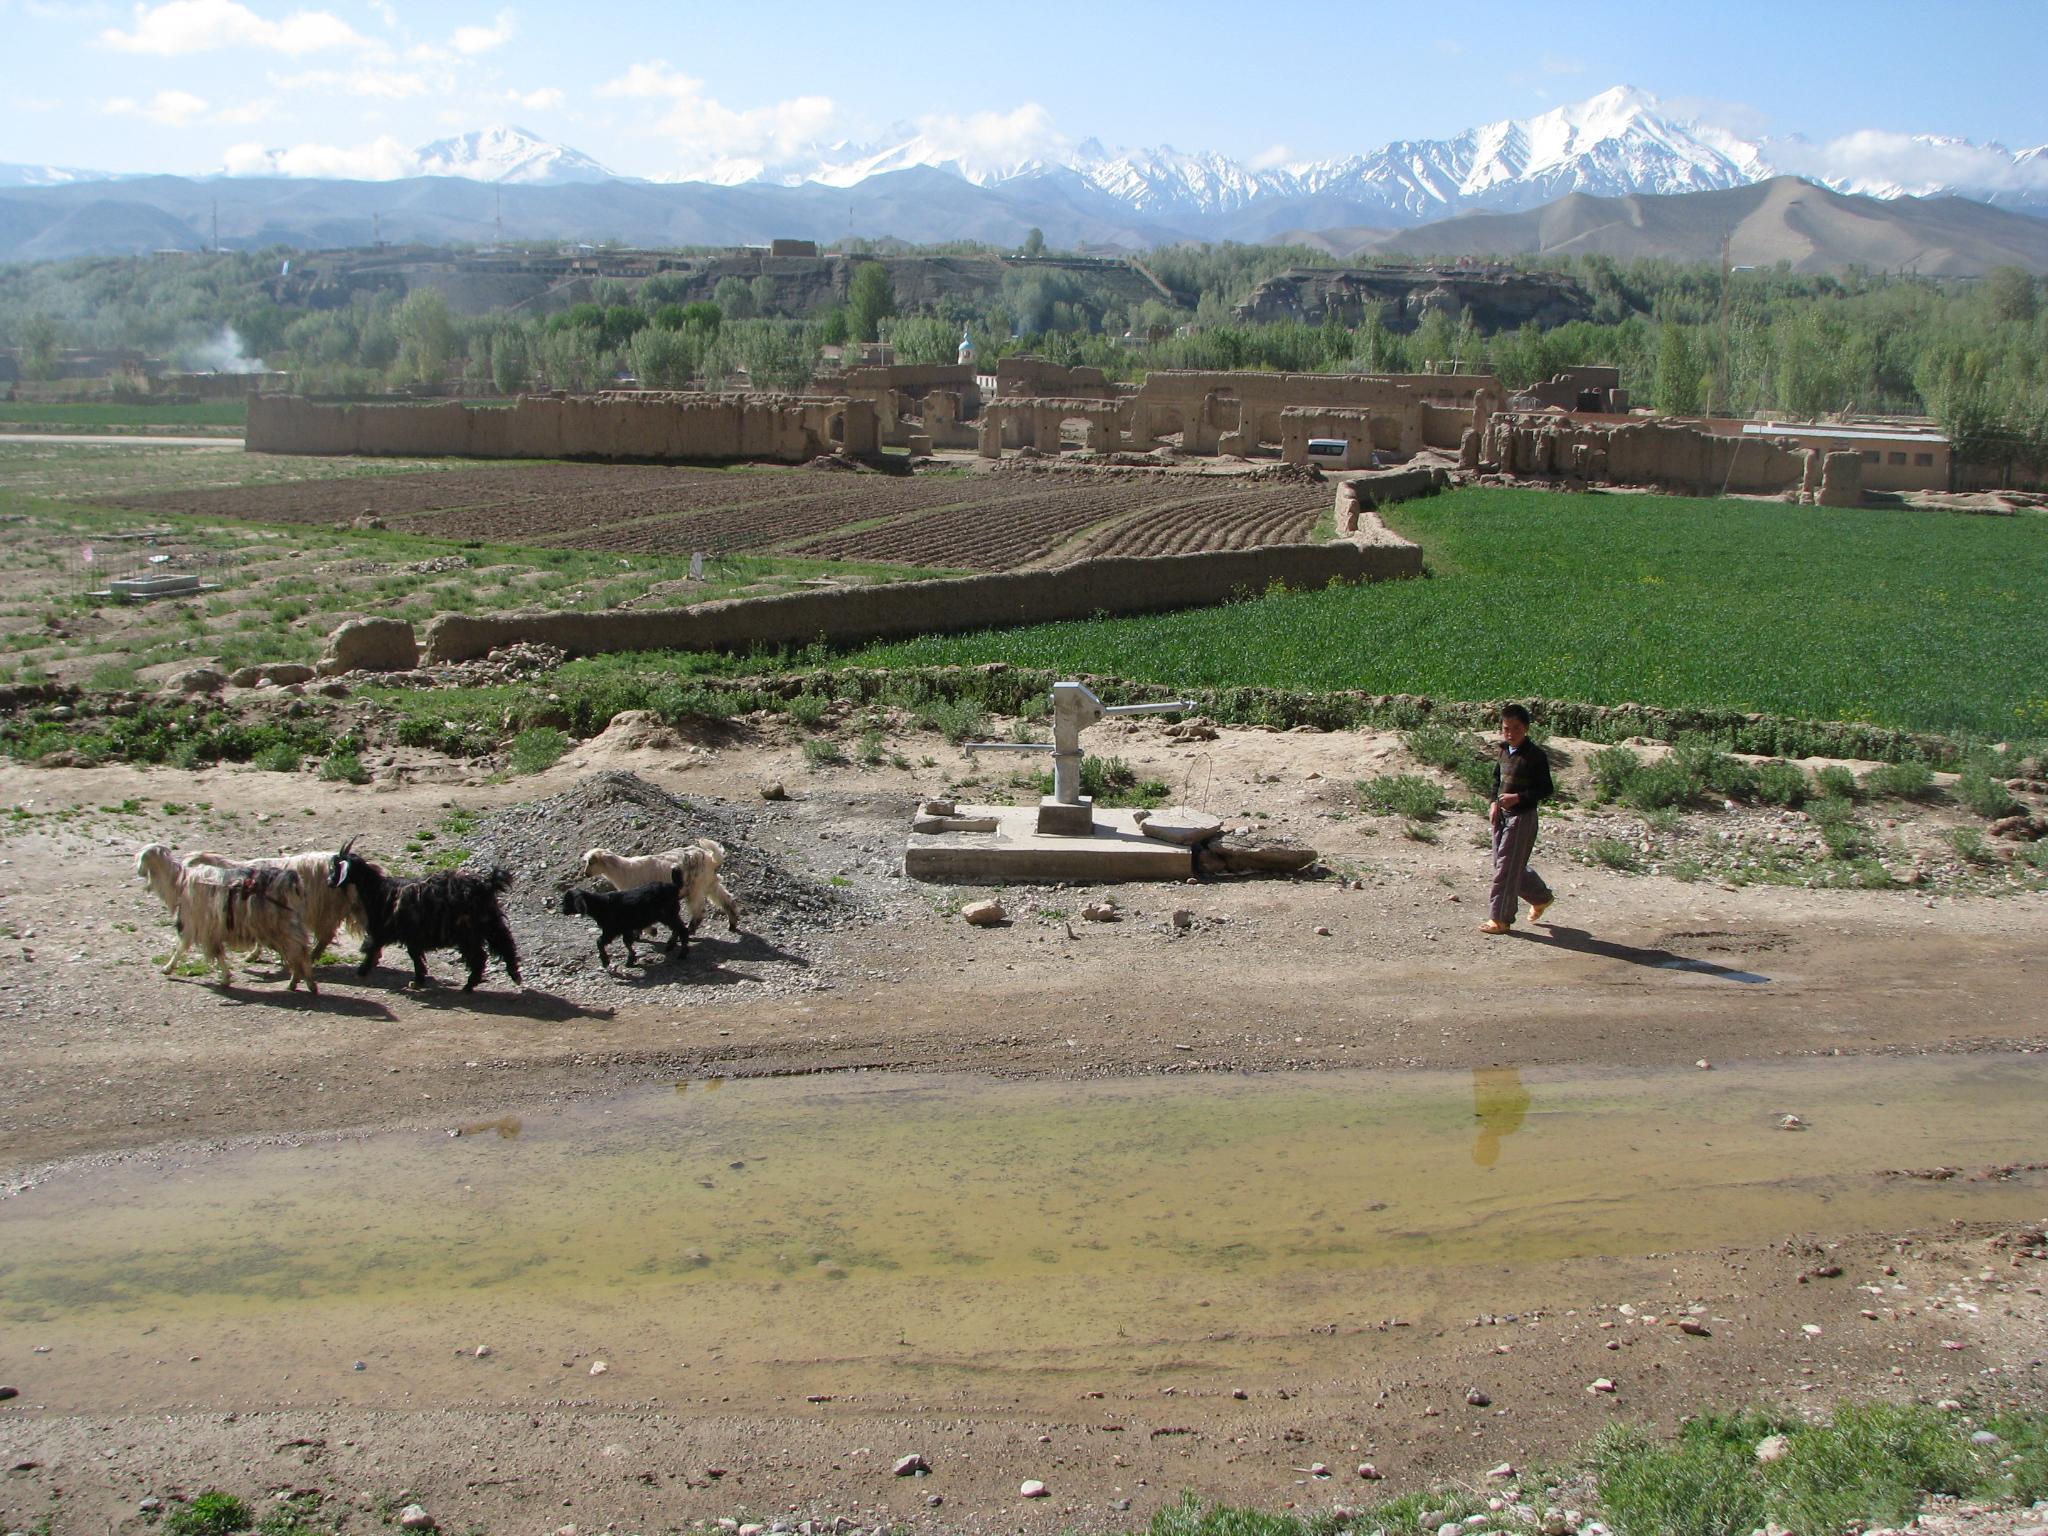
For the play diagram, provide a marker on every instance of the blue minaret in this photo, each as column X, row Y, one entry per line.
column 967, row 353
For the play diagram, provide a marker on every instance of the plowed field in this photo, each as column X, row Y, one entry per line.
column 971, row 522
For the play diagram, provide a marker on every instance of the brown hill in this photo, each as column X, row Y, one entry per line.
column 1788, row 220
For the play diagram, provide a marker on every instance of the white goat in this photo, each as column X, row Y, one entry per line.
column 323, row 909
column 699, row 863
column 217, row 908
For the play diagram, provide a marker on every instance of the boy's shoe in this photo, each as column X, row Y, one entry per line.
column 1492, row 927
column 1538, row 908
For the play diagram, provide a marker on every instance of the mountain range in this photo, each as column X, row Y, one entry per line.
column 1621, row 143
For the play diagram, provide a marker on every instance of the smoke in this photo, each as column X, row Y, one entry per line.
column 222, row 353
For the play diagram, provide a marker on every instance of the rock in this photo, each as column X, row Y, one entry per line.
column 333, row 689
column 197, row 680
column 8, row 1394
column 1693, row 1326
column 282, row 674
column 1984, row 1437
column 245, row 677
column 1248, row 853
column 938, row 808
column 149, row 1505
column 1033, row 1489
column 1191, row 730
column 772, row 790
column 366, row 522
column 1369, row 1472
column 1791, row 1123
column 1601, row 1384
column 1182, row 918
column 1504, row 1470
column 598, row 1367
column 1240, row 1394
column 1180, row 826
column 1322, row 930
column 1318, row 1469
column 483, row 1351
column 1772, row 1448
column 414, row 1518
column 372, row 645
column 1478, row 1399
column 932, row 824
column 984, row 914
column 1101, row 912
column 1555, row 1524
column 912, row 1466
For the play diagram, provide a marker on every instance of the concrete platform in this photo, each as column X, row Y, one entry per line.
column 1016, row 850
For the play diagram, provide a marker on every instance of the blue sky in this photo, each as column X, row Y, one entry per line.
column 349, row 86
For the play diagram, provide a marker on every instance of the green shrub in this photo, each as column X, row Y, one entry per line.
column 1612, row 768
column 809, row 710
column 1911, row 780
column 1836, row 782
column 211, row 1513
column 1614, row 853
column 536, row 750
column 1836, row 818
column 1980, row 788
column 1714, row 772
column 822, row 752
column 279, row 757
column 957, row 720
column 870, row 749
column 1780, row 783
column 1969, row 845
column 111, row 675
column 1110, row 781
column 1441, row 746
column 1401, row 794
column 344, row 767
column 1659, row 784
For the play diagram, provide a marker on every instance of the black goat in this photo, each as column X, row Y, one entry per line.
column 450, row 909
column 625, row 914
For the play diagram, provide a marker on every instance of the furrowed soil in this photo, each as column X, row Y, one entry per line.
column 1889, row 1247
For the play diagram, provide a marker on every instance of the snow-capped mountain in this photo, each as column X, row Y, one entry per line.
column 47, row 175
column 503, row 153
column 1619, row 142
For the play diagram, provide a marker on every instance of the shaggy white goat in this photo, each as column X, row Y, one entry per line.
column 218, row 908
column 699, row 863
column 324, row 910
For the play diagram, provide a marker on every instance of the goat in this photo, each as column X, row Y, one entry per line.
column 324, row 909
column 625, row 914
column 699, row 862
column 450, row 909
column 219, row 907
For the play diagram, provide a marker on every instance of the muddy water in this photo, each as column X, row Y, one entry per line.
column 747, row 1240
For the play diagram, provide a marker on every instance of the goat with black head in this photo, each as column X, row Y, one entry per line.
column 449, row 909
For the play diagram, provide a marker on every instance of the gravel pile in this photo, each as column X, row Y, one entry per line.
column 786, row 916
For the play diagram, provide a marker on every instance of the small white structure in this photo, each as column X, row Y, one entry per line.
column 967, row 348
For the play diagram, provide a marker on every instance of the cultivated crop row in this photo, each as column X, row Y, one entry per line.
column 1244, row 520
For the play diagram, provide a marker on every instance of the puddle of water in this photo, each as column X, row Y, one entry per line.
column 893, row 1224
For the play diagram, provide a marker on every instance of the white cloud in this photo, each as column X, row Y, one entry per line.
column 1876, row 161
column 1271, row 158
column 357, row 82
column 1736, row 116
column 713, row 136
column 248, row 114
column 546, row 99
column 474, row 40
column 199, row 26
column 387, row 12
column 174, row 109
column 994, row 140
column 1558, row 64
column 383, row 159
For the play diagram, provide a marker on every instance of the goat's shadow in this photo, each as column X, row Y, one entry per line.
column 1580, row 942
column 244, row 995
column 489, row 997
column 706, row 964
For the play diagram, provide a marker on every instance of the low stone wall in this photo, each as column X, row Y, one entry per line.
column 1661, row 453
column 678, row 428
column 851, row 615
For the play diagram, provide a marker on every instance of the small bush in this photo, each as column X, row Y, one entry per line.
column 344, row 768
column 1714, row 772
column 870, row 749
column 1969, row 845
column 538, row 750
column 1401, row 794
column 211, row 1513
column 1442, row 746
column 822, row 752
column 1835, row 782
column 957, row 720
column 1899, row 781
column 1612, row 768
column 1836, row 818
column 1614, row 853
column 1780, row 783
column 280, row 757
column 111, row 675
column 809, row 710
column 1980, row 788
column 1659, row 784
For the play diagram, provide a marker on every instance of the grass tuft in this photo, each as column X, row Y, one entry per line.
column 538, row 749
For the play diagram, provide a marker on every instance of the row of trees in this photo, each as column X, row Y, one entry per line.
column 1973, row 355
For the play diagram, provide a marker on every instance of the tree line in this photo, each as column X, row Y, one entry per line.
column 1973, row 355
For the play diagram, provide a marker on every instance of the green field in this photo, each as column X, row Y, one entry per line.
column 111, row 415
column 1920, row 620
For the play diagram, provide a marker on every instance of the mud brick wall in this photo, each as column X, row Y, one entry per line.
column 852, row 615
column 1665, row 454
column 679, row 428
